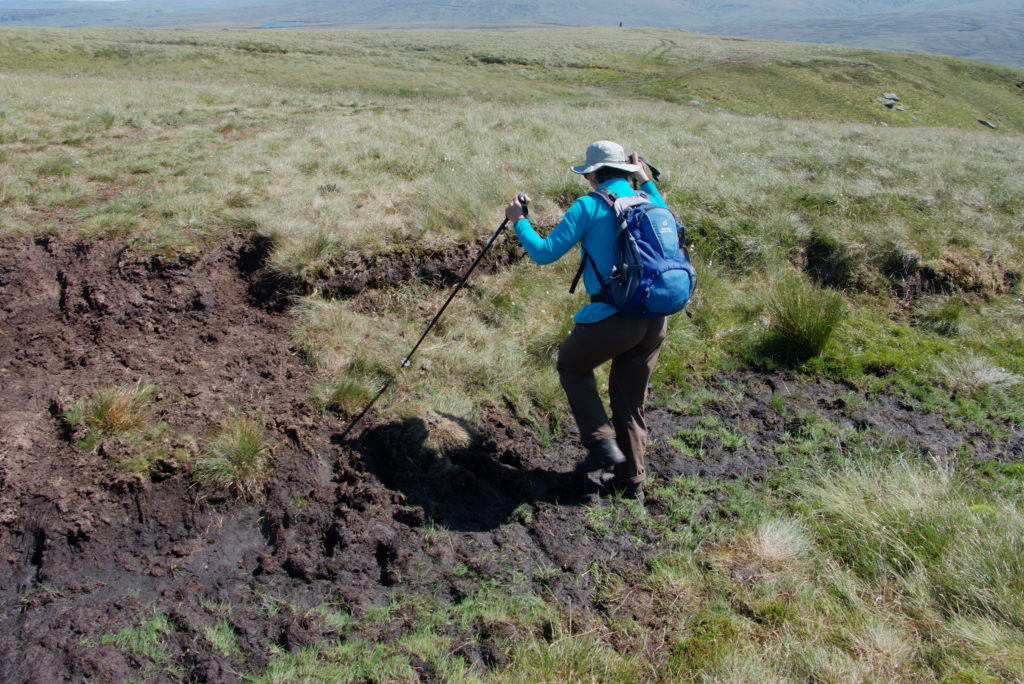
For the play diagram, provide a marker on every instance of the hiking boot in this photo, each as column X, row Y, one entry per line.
column 604, row 454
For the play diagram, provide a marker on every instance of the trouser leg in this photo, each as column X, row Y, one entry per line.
column 627, row 389
column 582, row 351
column 634, row 343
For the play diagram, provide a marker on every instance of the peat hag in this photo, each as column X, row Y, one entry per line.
column 94, row 543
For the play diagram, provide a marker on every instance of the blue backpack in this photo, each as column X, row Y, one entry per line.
column 652, row 275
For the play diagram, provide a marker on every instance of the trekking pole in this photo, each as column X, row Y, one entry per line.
column 407, row 361
column 655, row 173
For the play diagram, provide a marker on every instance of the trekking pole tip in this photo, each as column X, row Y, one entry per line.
column 406, row 363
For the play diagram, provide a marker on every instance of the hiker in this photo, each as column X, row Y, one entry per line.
column 601, row 332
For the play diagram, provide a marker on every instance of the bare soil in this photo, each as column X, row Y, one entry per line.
column 87, row 549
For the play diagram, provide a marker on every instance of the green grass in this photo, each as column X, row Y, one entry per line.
column 222, row 637
column 875, row 569
column 124, row 419
column 146, row 642
column 114, row 410
column 236, row 459
column 801, row 319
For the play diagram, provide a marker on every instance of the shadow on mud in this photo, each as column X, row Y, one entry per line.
column 471, row 489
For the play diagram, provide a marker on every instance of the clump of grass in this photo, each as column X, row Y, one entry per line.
column 944, row 317
column 307, row 259
column 123, row 420
column 145, row 640
column 112, row 411
column 59, row 167
column 801, row 319
column 236, row 459
column 968, row 372
column 352, row 389
column 779, row 542
column 830, row 261
column 239, row 199
column 100, row 121
column 347, row 394
column 899, row 261
column 223, row 638
column 446, row 432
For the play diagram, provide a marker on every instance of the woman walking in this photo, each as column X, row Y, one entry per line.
column 601, row 333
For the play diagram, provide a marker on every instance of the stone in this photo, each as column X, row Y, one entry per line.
column 891, row 96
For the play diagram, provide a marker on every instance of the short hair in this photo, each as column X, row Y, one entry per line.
column 606, row 173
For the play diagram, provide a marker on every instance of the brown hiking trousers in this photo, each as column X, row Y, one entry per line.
column 633, row 346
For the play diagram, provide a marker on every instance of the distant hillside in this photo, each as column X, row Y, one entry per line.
column 988, row 30
column 988, row 36
column 689, row 14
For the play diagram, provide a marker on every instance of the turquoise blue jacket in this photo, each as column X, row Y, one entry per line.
column 591, row 223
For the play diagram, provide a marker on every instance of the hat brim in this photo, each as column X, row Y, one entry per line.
column 590, row 168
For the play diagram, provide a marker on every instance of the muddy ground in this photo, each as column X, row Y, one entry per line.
column 86, row 547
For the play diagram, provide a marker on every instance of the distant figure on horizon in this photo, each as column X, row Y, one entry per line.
column 601, row 333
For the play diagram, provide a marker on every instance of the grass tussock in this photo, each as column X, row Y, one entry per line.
column 114, row 410
column 236, row 459
column 801, row 318
column 348, row 394
column 122, row 423
column 944, row 316
column 967, row 372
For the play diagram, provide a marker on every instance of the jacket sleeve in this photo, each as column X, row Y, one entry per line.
column 652, row 191
column 567, row 233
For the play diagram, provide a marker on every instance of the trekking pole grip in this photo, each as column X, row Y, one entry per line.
column 655, row 173
column 525, row 203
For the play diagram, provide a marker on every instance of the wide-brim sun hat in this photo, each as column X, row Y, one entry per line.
column 605, row 153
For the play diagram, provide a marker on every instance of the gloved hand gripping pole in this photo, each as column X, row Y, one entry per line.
column 407, row 361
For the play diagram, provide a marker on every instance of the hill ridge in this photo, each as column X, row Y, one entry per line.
column 978, row 29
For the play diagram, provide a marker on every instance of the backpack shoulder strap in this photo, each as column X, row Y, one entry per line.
column 608, row 198
column 606, row 195
column 611, row 198
column 620, row 206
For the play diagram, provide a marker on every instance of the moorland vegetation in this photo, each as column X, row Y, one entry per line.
column 839, row 244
